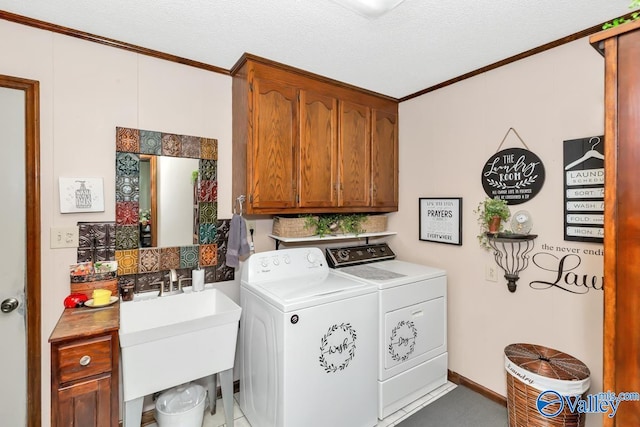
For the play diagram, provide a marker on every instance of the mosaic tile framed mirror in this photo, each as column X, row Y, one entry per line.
column 166, row 205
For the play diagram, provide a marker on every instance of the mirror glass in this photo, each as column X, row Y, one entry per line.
column 167, row 202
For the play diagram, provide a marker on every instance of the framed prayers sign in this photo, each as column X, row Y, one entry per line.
column 440, row 219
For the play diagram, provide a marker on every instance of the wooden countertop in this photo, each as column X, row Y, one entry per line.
column 85, row 321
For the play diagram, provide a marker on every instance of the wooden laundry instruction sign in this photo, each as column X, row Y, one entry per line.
column 584, row 189
column 515, row 175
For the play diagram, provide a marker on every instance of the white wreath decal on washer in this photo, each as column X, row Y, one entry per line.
column 337, row 347
column 403, row 337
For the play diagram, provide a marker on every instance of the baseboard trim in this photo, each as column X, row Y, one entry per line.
column 148, row 418
column 456, row 378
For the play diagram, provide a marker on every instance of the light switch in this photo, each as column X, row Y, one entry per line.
column 64, row 237
column 491, row 273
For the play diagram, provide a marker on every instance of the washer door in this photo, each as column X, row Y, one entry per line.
column 414, row 331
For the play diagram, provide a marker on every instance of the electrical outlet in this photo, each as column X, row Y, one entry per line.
column 64, row 237
column 491, row 273
column 251, row 225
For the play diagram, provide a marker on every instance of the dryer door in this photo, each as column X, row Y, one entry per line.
column 414, row 331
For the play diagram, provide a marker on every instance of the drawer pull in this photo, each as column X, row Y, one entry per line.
column 417, row 313
column 85, row 360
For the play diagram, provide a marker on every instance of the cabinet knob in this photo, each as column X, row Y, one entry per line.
column 85, row 360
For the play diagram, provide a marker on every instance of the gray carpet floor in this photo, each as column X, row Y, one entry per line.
column 461, row 407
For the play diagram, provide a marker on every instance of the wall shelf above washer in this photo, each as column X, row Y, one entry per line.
column 328, row 237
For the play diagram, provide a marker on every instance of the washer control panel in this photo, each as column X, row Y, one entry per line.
column 285, row 264
column 352, row 255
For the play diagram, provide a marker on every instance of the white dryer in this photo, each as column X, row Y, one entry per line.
column 412, row 322
column 308, row 343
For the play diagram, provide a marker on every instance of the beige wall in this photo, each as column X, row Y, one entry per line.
column 445, row 137
column 86, row 91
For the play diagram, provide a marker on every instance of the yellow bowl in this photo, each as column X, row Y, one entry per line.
column 101, row 296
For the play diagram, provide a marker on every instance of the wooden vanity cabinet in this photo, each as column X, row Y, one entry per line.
column 306, row 144
column 84, row 368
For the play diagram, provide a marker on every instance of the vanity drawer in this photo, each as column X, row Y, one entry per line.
column 84, row 358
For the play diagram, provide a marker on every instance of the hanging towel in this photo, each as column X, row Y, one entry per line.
column 238, row 246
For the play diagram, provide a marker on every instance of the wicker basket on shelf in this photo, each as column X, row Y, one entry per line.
column 375, row 224
column 291, row 227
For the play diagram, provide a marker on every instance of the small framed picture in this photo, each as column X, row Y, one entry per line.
column 81, row 195
column 440, row 219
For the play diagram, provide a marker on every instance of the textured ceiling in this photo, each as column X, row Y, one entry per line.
column 418, row 44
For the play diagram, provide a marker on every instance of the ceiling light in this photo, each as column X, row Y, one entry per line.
column 369, row 8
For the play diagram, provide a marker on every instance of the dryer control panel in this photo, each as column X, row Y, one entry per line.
column 352, row 255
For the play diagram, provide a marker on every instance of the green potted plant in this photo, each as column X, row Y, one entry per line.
column 332, row 223
column 635, row 4
column 491, row 215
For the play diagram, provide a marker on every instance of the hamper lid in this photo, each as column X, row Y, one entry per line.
column 545, row 368
column 181, row 399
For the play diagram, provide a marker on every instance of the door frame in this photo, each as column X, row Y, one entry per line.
column 31, row 89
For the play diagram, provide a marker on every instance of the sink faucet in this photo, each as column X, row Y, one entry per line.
column 181, row 281
column 161, row 287
column 173, row 277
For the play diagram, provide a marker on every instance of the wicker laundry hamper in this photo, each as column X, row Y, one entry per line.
column 533, row 372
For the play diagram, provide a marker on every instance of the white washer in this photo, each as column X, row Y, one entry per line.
column 412, row 359
column 309, row 343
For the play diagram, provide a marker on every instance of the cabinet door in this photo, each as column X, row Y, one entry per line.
column 271, row 158
column 355, row 155
column 318, row 150
column 384, row 159
column 87, row 404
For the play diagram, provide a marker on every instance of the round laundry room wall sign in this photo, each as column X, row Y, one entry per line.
column 403, row 340
column 515, row 175
column 337, row 347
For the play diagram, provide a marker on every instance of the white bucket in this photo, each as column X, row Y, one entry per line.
column 182, row 406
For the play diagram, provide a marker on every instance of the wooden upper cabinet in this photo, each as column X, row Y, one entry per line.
column 272, row 158
column 355, row 155
column 318, row 185
column 306, row 144
column 384, row 159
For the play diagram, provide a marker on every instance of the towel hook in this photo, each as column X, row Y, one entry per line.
column 239, row 200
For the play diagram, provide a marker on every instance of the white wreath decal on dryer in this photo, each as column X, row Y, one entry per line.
column 403, row 337
column 337, row 347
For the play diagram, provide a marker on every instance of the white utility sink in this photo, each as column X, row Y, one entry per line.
column 170, row 340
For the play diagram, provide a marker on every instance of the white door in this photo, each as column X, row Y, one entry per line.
column 13, row 387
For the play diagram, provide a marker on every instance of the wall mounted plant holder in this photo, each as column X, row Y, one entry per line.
column 511, row 252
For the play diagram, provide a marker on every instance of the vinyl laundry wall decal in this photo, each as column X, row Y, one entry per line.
column 564, row 269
